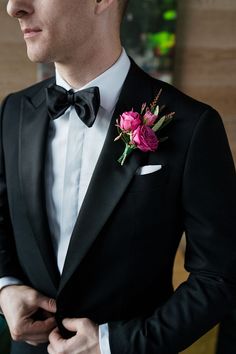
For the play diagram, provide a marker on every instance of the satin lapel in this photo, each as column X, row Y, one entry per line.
column 109, row 180
column 32, row 148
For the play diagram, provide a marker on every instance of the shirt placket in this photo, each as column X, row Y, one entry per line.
column 71, row 184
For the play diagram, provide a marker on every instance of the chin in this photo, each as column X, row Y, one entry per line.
column 38, row 59
column 38, row 56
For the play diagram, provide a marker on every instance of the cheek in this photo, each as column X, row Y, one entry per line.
column 67, row 28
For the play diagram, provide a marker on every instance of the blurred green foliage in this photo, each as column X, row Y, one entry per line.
column 148, row 34
column 148, row 18
column 162, row 42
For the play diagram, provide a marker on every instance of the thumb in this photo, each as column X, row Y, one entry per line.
column 47, row 304
column 71, row 324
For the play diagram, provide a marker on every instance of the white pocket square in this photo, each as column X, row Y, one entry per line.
column 144, row 170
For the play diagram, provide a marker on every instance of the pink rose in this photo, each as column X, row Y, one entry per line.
column 129, row 121
column 145, row 138
column 149, row 118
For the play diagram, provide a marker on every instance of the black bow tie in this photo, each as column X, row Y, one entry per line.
column 86, row 102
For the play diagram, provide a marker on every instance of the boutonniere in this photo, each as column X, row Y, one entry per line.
column 138, row 130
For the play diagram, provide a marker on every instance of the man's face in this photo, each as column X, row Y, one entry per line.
column 54, row 29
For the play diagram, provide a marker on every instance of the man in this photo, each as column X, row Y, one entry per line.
column 87, row 246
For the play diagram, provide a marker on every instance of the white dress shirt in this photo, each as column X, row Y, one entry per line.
column 72, row 153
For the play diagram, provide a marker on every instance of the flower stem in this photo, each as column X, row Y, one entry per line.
column 127, row 151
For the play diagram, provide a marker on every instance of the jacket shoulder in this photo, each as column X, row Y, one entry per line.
column 174, row 100
column 180, row 101
column 33, row 92
column 30, row 91
column 189, row 112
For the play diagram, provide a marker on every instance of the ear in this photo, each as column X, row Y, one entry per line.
column 103, row 5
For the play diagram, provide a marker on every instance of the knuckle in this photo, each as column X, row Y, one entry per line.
column 51, row 303
column 16, row 334
column 32, row 297
column 84, row 321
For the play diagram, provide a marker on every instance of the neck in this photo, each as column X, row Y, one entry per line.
column 86, row 66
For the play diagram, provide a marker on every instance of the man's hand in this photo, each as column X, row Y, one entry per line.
column 29, row 314
column 85, row 341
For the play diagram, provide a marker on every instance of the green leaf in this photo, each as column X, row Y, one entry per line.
column 158, row 124
column 157, row 110
column 168, row 119
column 118, row 137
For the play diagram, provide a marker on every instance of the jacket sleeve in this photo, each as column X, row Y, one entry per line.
column 209, row 213
column 8, row 260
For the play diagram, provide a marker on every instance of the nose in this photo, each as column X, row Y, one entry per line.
column 19, row 8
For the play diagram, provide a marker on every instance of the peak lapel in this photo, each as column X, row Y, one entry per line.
column 109, row 180
column 32, row 148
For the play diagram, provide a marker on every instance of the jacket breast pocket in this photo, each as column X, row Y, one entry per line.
column 150, row 181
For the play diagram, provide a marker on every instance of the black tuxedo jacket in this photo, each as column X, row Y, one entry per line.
column 119, row 264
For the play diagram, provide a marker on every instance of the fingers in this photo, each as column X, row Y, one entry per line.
column 29, row 314
column 47, row 304
column 55, row 336
column 45, row 326
column 72, row 324
column 33, row 331
column 56, row 342
column 81, row 325
column 86, row 339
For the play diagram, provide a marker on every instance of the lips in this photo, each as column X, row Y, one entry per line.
column 31, row 32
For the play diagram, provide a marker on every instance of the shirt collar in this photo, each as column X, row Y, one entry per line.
column 110, row 82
